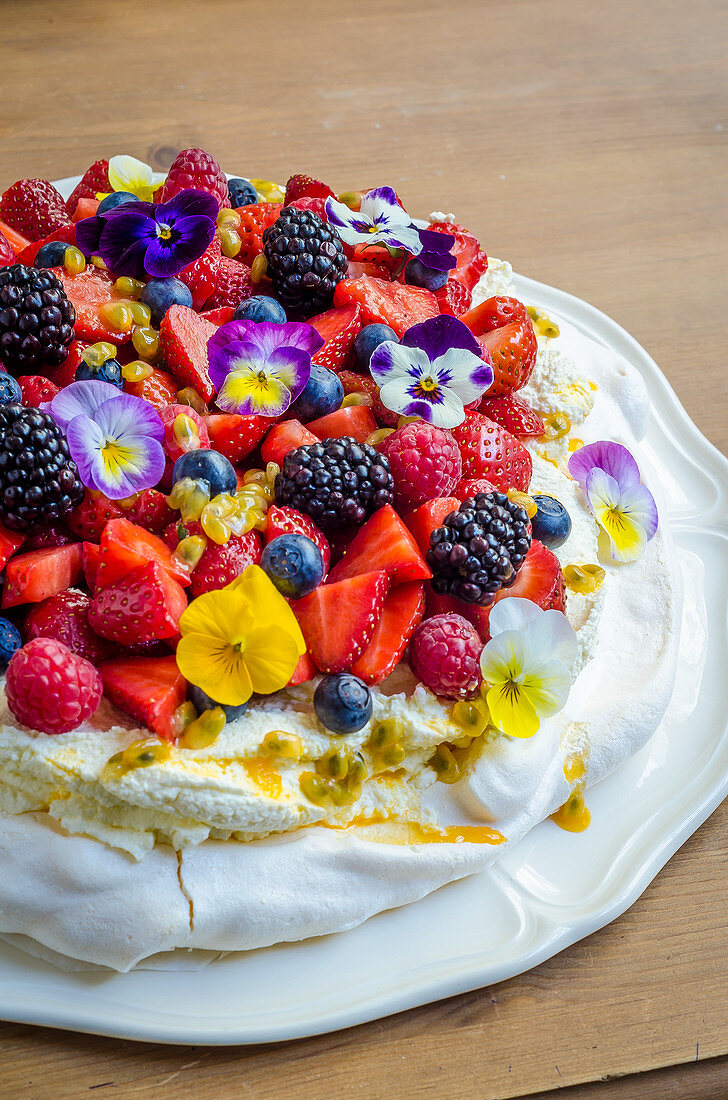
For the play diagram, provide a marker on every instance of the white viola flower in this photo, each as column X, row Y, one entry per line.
column 381, row 220
column 132, row 175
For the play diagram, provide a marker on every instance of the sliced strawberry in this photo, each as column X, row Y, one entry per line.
column 125, row 547
column 361, row 383
column 450, row 605
column 282, row 520
column 159, row 389
column 66, row 233
column 31, row 577
column 514, row 415
column 17, row 241
column 472, row 261
column 233, row 284
column 454, row 298
column 471, row 486
column 394, row 304
column 236, row 436
column 201, row 275
column 143, row 606
column 490, row 452
column 221, row 564
column 401, row 615
column 383, row 543
column 338, row 620
column 422, row 521
column 85, row 208
column 539, row 579
column 148, row 509
column 10, row 543
column 149, row 689
column 7, row 252
column 88, row 292
column 94, row 181
column 338, row 328
column 304, row 671
column 88, row 519
column 254, row 219
column 493, row 313
column 355, row 420
column 285, row 437
column 90, row 557
column 220, row 315
column 513, row 353
column 183, row 337
column 36, row 389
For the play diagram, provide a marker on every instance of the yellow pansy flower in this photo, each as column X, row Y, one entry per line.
column 132, row 175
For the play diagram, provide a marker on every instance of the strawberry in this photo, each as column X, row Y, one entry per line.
column 364, row 383
column 236, row 436
column 539, row 579
column 380, row 257
column 159, row 389
column 451, row 605
column 233, row 284
column 202, row 274
column 514, row 415
column 472, row 261
column 382, row 543
column 454, row 297
column 10, row 543
column 16, row 240
column 491, row 452
column 183, row 337
column 285, row 437
column 148, row 509
column 175, row 445
column 219, row 564
column 90, row 558
column 143, row 606
column 471, row 486
column 304, row 671
column 493, row 313
column 513, row 354
column 125, row 547
column 36, row 389
column 88, row 519
column 66, row 233
column 148, row 688
column 55, row 534
column 338, row 620
column 65, row 617
column 88, row 292
column 199, row 170
column 65, row 374
column 304, row 187
column 401, row 615
column 34, row 207
column 220, row 315
column 253, row 220
column 31, row 577
column 95, row 180
column 282, row 520
column 355, row 420
column 7, row 252
column 318, row 205
column 338, row 329
column 395, row 304
column 85, row 208
column 422, row 521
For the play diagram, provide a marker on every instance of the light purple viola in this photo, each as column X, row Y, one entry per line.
column 143, row 239
column 435, row 371
column 114, row 439
column 381, row 220
column 260, row 368
column 623, row 507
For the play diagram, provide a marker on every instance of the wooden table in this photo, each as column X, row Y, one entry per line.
column 585, row 141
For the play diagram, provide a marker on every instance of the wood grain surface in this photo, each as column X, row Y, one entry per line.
column 585, row 142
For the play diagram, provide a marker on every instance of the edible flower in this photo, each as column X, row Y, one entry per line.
column 435, row 252
column 435, row 371
column 134, row 176
column 623, row 507
column 114, row 439
column 240, row 639
column 260, row 368
column 526, row 665
column 143, row 239
column 381, row 220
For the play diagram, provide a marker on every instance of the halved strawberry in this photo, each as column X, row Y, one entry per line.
column 88, row 292
column 10, row 542
column 201, row 275
column 361, row 383
column 383, row 543
column 36, row 389
column 159, row 389
column 514, row 415
column 490, row 452
column 233, row 284
column 423, row 520
column 143, row 606
column 493, row 313
column 401, row 615
column 16, row 240
column 285, row 437
column 236, row 436
column 395, row 304
column 31, row 577
column 338, row 620
column 454, row 298
column 95, row 180
column 472, row 261
column 219, row 315
column 513, row 353
column 304, row 671
column 300, row 186
column 149, row 689
column 88, row 519
column 65, row 617
column 125, row 547
column 355, row 420
column 183, row 337
column 85, row 208
column 471, row 486
column 282, row 520
column 90, row 557
column 148, row 509
column 254, row 219
column 338, row 329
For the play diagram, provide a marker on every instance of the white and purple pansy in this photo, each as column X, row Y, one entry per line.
column 623, row 507
column 380, row 220
column 435, row 252
column 435, row 371
column 114, row 439
column 260, row 368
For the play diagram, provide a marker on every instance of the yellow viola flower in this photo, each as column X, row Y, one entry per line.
column 132, row 175
column 240, row 639
column 526, row 665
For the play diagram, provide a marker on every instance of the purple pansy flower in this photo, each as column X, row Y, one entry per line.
column 114, row 439
column 143, row 239
column 260, row 368
column 623, row 507
column 435, row 252
column 436, row 370
column 381, row 220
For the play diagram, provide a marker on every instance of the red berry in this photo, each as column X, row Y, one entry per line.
column 454, row 297
column 51, row 689
column 472, row 261
column 34, row 207
column 159, row 389
column 360, row 383
column 202, row 274
column 317, row 205
column 7, row 253
column 514, row 415
column 220, row 563
column 36, row 389
column 65, row 618
column 88, row 519
column 175, row 446
column 232, row 285
column 471, row 486
column 301, row 186
column 493, row 313
column 253, row 220
column 148, row 509
column 235, row 436
column 490, row 452
column 282, row 520
column 444, row 655
column 183, row 337
column 512, row 351
column 394, row 304
column 338, row 328
column 46, row 537
column 199, row 170
column 144, row 606
column 425, row 462
column 95, row 180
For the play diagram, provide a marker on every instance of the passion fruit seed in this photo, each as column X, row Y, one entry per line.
column 575, row 445
column 136, row 371
column 542, row 323
column 190, row 396
column 283, row 744
column 74, row 260
column 117, row 314
column 385, row 745
column 356, row 398
column 583, row 578
column 140, row 754
column 524, row 501
column 185, row 432
column 230, row 242
column 556, row 426
column 145, row 340
column 97, row 354
column 445, row 765
column 205, row 730
column 471, row 715
column 228, row 217
column 259, row 268
column 352, row 199
column 130, row 288
column 99, row 263
column 323, row 788
column 189, row 551
column 379, row 436
column 189, row 496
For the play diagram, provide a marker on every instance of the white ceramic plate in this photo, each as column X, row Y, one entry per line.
column 547, row 892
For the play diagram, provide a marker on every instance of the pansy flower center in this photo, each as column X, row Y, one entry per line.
column 116, row 456
column 164, row 232
column 428, row 384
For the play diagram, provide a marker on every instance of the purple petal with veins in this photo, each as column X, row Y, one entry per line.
column 191, row 235
column 80, row 398
column 435, row 252
column 438, row 334
column 611, row 457
column 186, row 203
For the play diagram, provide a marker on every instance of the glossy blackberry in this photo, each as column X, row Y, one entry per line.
column 479, row 549
column 36, row 319
column 338, row 483
column 39, row 481
column 305, row 260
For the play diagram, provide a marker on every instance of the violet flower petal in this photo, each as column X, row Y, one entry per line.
column 435, row 252
column 613, row 458
column 79, row 398
column 438, row 334
column 124, row 242
column 88, row 234
column 191, row 235
column 187, row 203
column 119, row 450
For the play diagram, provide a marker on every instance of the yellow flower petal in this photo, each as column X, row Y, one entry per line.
column 546, row 687
column 265, row 392
column 270, row 608
column 215, row 667
column 222, row 614
column 129, row 174
column 628, row 538
column 271, row 654
column 511, row 710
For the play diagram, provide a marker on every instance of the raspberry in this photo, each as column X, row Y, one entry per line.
column 197, row 169
column 51, row 689
column 64, row 617
column 444, row 655
column 425, row 463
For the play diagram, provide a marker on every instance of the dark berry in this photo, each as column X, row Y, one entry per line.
column 552, row 523
column 295, row 565
column 116, row 198
column 36, row 319
column 241, row 192
column 343, row 703
column 10, row 642
column 322, row 394
column 479, row 549
column 10, row 390
column 51, row 254
column 418, row 274
column 209, row 466
column 202, row 702
column 370, row 337
column 305, row 260
column 39, row 482
column 260, row 308
column 108, row 371
column 161, row 294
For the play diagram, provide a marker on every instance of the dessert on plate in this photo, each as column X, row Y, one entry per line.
column 330, row 567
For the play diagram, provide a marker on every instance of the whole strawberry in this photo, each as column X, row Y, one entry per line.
column 301, row 186
column 94, row 181
column 65, row 618
column 489, row 451
column 425, row 462
column 199, row 170
column 514, row 415
column 88, row 519
column 219, row 564
column 232, row 284
column 34, row 207
column 51, row 689
column 201, row 276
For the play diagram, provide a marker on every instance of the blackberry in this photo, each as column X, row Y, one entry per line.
column 479, row 549
column 338, row 483
column 39, row 481
column 305, row 260
column 36, row 319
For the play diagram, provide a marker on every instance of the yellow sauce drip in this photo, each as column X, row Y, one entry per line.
column 574, row 815
column 574, row 768
column 264, row 775
column 381, row 830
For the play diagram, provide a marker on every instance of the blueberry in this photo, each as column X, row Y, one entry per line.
column 295, row 565
column 109, row 371
column 418, row 274
column 322, row 394
column 51, row 254
column 242, row 193
column 552, row 523
column 202, row 702
column 10, row 641
column 209, row 466
column 370, row 337
column 343, row 703
column 160, row 294
column 9, row 390
column 260, row 308
column 116, row 198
